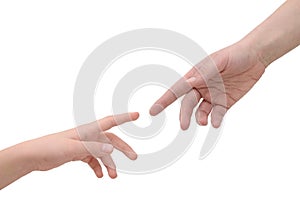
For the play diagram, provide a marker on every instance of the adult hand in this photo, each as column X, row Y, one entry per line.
column 220, row 80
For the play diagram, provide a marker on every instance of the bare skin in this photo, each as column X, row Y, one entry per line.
column 223, row 78
column 214, row 86
column 54, row 150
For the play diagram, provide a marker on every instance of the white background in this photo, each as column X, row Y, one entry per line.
column 42, row 47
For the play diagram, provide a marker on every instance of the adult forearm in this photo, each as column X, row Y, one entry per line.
column 278, row 34
column 14, row 163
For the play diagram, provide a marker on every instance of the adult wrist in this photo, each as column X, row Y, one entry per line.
column 259, row 49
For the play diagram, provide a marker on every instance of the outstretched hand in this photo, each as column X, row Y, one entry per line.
column 86, row 143
column 218, row 81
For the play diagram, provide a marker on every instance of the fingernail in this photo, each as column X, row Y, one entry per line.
column 107, row 148
column 155, row 109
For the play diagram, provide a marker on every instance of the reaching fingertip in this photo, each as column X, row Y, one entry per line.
column 135, row 115
column 133, row 156
column 155, row 109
